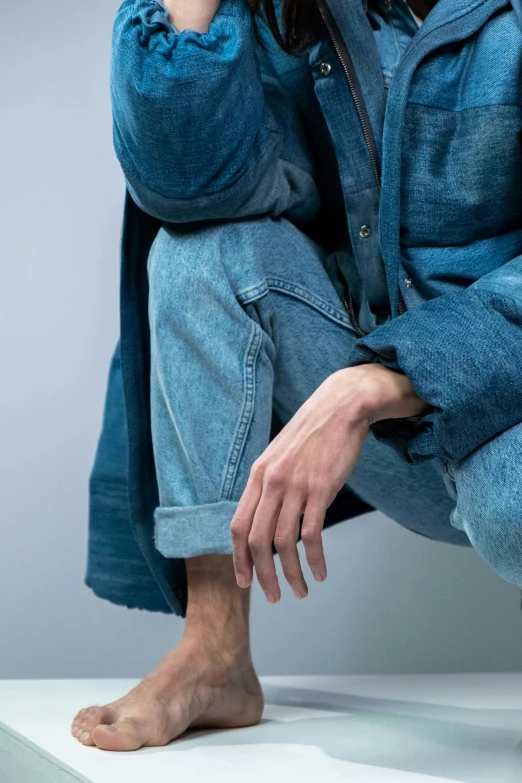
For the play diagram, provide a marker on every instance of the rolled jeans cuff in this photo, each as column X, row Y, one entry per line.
column 191, row 531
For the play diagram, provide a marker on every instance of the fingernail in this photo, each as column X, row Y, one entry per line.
column 270, row 598
column 112, row 728
column 84, row 736
column 241, row 581
column 298, row 594
column 318, row 576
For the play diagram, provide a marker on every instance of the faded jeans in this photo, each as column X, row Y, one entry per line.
column 246, row 317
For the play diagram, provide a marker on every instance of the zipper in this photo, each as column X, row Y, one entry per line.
column 351, row 78
column 348, row 306
column 353, row 84
column 400, row 303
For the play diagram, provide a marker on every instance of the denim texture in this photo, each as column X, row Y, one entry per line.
column 394, row 26
column 116, row 566
column 449, row 138
column 209, row 127
column 246, row 313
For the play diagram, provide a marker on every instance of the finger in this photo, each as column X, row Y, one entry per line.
column 285, row 540
column 241, row 526
column 260, row 542
column 311, row 535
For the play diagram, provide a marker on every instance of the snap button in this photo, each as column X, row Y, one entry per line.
column 365, row 232
column 325, row 69
column 408, row 282
column 386, row 5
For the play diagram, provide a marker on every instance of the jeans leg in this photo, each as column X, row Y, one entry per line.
column 245, row 320
column 487, row 485
column 214, row 310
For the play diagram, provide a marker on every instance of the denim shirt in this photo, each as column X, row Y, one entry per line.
column 394, row 26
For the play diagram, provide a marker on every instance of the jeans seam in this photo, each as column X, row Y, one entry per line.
column 253, row 292
column 283, row 286
column 277, row 284
column 245, row 418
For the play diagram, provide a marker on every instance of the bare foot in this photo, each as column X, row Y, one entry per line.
column 191, row 687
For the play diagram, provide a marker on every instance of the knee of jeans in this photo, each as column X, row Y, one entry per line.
column 493, row 522
column 240, row 253
column 212, row 262
column 180, row 255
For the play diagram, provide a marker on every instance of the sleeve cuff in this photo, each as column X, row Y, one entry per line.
column 155, row 18
column 462, row 353
column 156, row 31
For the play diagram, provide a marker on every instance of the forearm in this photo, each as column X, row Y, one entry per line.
column 192, row 14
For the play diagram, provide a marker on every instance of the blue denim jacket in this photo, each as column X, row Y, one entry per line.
column 417, row 185
column 208, row 126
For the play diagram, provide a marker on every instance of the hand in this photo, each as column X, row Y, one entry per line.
column 303, row 469
column 192, row 14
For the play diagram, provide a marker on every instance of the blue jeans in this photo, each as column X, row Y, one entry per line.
column 245, row 317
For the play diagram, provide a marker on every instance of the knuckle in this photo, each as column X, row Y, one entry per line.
column 275, row 477
column 315, row 561
column 283, row 543
column 309, row 536
column 257, row 470
column 237, row 529
column 318, row 486
column 295, row 579
column 256, row 543
column 264, row 581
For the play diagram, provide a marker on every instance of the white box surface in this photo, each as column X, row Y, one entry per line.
column 393, row 729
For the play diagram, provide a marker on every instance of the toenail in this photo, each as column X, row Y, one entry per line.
column 84, row 736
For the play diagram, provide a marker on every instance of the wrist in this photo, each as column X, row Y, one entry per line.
column 192, row 15
column 380, row 393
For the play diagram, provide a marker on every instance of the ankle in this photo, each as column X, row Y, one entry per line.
column 218, row 610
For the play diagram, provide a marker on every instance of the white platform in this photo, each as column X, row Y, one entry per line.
column 406, row 729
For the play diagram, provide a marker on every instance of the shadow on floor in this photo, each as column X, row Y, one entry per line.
column 473, row 746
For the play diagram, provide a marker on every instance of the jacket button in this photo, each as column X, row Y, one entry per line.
column 325, row 69
column 408, row 282
column 386, row 5
column 365, row 232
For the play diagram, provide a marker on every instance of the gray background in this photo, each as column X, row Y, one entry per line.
column 393, row 602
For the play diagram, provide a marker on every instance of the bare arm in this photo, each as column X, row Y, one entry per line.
column 192, row 14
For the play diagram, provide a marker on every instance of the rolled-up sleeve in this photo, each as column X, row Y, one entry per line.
column 197, row 130
column 463, row 354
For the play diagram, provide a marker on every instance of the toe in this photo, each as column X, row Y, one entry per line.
column 126, row 734
column 85, row 737
column 87, row 720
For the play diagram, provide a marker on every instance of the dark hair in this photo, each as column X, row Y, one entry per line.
column 299, row 18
